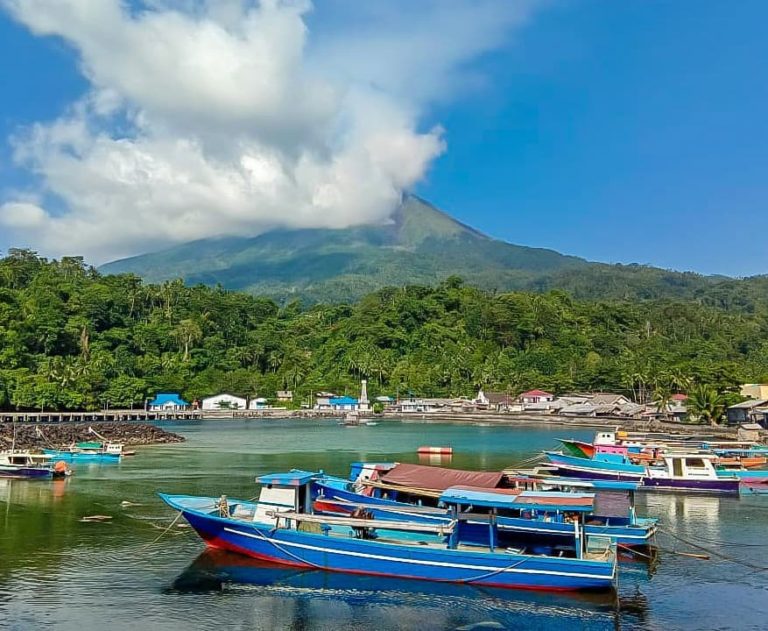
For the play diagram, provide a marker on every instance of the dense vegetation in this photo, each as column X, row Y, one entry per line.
column 421, row 246
column 72, row 338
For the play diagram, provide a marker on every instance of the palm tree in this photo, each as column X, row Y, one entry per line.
column 661, row 398
column 706, row 403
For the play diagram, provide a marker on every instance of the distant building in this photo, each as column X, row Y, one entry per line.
column 257, row 403
column 165, row 401
column 285, row 395
column 344, row 404
column 536, row 396
column 755, row 391
column 323, row 400
column 421, row 406
column 754, row 411
column 224, row 402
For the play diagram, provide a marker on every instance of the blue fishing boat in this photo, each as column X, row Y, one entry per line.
column 89, row 452
column 541, row 514
column 281, row 527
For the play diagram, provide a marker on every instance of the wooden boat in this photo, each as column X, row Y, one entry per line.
column 542, row 512
column 107, row 452
column 26, row 464
column 689, row 473
column 281, row 527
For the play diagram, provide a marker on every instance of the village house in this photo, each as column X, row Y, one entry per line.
column 167, row 401
column 344, row 404
column 258, row 403
column 285, row 395
column 753, row 411
column 497, row 402
column 536, row 396
column 223, row 402
column 323, row 401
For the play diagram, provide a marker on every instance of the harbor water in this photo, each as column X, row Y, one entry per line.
column 133, row 571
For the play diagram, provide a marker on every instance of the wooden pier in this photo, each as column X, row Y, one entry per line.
column 100, row 416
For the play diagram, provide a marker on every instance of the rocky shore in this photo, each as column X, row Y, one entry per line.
column 62, row 435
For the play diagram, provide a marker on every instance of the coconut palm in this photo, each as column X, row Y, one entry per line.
column 706, row 403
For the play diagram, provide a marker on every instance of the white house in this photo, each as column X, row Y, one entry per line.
column 257, row 403
column 224, row 402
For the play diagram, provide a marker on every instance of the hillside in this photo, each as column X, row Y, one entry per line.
column 422, row 245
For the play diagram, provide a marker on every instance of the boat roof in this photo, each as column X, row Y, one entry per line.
column 508, row 498
column 290, row 478
column 439, row 478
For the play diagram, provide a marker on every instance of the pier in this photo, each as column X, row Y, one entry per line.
column 100, row 416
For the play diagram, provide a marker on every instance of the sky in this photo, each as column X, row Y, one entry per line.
column 630, row 131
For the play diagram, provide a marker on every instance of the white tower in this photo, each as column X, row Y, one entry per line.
column 363, row 404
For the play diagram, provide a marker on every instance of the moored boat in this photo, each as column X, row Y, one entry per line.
column 106, row 452
column 542, row 512
column 282, row 528
column 26, row 464
column 681, row 472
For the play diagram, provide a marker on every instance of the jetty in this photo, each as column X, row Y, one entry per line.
column 100, row 416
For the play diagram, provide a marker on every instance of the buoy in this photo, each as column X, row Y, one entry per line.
column 434, row 450
column 60, row 467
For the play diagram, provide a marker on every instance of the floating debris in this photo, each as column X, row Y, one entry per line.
column 96, row 518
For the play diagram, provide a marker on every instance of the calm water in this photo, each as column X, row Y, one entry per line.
column 57, row 572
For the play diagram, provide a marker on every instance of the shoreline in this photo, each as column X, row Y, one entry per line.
column 61, row 436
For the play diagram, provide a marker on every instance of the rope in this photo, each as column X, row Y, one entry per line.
column 160, row 536
column 322, row 567
column 631, row 550
column 714, row 553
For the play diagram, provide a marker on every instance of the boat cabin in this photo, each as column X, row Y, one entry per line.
column 686, row 466
column 468, row 506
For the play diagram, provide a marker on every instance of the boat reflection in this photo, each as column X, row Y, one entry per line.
column 33, row 492
column 221, row 571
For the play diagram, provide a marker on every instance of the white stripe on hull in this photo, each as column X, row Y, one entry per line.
column 378, row 557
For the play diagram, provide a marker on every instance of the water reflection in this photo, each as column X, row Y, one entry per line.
column 450, row 606
column 33, row 492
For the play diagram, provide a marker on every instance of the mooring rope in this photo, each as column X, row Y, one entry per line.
column 162, row 534
column 322, row 567
column 719, row 555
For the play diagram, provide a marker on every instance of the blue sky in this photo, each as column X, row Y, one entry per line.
column 630, row 131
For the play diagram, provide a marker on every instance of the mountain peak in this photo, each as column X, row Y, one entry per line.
column 420, row 244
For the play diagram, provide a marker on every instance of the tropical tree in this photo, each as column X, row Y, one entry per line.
column 706, row 404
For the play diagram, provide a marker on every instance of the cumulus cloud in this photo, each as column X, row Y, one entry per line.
column 230, row 117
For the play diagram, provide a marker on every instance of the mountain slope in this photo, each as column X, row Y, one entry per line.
column 421, row 245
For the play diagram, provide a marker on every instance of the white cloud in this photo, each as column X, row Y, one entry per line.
column 211, row 117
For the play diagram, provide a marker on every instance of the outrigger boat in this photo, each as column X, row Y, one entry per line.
column 281, row 527
column 542, row 513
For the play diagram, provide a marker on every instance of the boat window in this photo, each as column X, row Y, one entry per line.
column 677, row 467
column 695, row 463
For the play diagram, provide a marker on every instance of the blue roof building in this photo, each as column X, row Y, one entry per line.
column 168, row 401
column 343, row 403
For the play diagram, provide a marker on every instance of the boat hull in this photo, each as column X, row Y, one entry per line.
column 74, row 456
column 358, row 556
column 590, row 470
column 29, row 473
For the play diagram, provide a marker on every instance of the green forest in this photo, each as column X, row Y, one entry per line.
column 72, row 338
